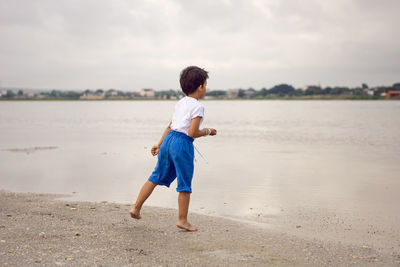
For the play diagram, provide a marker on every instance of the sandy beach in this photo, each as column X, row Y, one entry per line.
column 38, row 229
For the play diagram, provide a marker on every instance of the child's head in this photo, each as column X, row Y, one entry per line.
column 191, row 78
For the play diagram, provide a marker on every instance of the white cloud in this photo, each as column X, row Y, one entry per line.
column 135, row 44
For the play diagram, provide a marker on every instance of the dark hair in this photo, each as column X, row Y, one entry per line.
column 191, row 78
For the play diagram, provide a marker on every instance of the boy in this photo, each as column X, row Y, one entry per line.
column 175, row 149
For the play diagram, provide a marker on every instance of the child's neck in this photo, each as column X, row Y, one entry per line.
column 194, row 95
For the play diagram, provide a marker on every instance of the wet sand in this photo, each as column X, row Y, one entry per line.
column 38, row 229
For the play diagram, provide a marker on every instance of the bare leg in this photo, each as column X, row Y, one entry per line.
column 145, row 192
column 183, row 202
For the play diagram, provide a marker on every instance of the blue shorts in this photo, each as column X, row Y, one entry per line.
column 175, row 159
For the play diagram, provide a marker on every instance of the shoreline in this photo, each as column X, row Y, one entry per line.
column 41, row 229
column 348, row 98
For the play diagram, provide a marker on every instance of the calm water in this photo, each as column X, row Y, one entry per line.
column 269, row 157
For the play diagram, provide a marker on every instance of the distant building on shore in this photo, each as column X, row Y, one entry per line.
column 147, row 93
column 29, row 94
column 249, row 93
column 112, row 92
column 232, row 93
column 390, row 94
column 92, row 96
column 370, row 91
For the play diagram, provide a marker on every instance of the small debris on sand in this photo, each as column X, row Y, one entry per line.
column 30, row 150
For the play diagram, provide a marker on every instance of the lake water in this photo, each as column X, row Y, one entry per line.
column 272, row 161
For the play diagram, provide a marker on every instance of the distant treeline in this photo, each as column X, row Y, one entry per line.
column 277, row 91
column 286, row 90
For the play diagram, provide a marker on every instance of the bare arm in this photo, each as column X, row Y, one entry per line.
column 194, row 130
column 156, row 148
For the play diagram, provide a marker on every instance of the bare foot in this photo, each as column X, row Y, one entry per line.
column 135, row 213
column 186, row 226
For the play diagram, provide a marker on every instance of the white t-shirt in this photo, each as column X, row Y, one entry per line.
column 186, row 109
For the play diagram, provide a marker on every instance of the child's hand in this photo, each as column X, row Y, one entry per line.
column 213, row 131
column 155, row 149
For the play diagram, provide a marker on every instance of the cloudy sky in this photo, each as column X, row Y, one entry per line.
column 132, row 44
